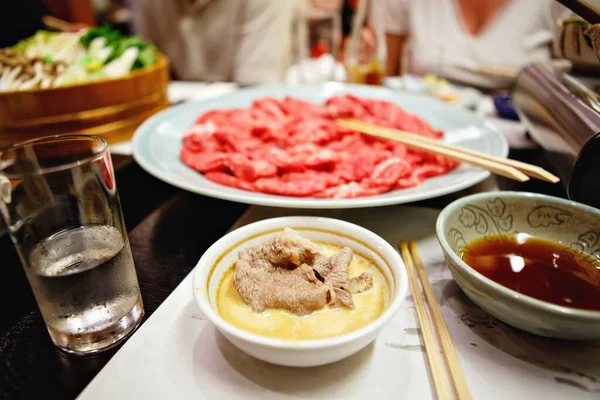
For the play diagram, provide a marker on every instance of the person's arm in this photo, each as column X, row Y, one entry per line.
column 396, row 22
column 394, row 46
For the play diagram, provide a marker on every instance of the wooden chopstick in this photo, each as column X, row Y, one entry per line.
column 498, row 71
column 436, row 363
column 584, row 9
column 456, row 372
column 454, row 153
column 56, row 23
column 531, row 170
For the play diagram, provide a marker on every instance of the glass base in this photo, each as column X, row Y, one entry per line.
column 95, row 342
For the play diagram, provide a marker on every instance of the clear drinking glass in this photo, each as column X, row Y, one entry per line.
column 59, row 200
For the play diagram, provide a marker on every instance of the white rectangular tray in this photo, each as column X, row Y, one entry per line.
column 177, row 354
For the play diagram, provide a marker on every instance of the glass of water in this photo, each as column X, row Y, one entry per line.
column 59, row 200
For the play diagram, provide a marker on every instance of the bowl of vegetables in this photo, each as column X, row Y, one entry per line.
column 94, row 81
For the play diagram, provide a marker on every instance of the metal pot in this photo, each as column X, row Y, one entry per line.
column 563, row 116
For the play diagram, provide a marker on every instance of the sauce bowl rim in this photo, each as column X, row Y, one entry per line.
column 524, row 299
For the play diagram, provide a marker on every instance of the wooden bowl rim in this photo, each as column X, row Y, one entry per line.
column 162, row 62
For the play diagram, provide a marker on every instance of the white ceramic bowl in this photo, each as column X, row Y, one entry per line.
column 571, row 224
column 303, row 353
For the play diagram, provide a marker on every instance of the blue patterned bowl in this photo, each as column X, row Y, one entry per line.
column 504, row 106
column 571, row 224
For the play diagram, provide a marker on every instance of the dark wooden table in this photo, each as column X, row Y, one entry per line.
column 159, row 219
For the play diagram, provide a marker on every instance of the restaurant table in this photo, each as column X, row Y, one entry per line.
column 169, row 229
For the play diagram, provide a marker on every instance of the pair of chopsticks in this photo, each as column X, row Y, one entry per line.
column 501, row 72
column 439, row 370
column 56, row 23
column 512, row 169
column 584, row 9
column 512, row 74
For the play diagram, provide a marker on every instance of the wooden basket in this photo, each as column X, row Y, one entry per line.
column 112, row 108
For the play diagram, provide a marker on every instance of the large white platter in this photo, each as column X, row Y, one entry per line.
column 157, row 142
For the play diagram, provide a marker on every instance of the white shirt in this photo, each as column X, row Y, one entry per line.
column 246, row 41
column 521, row 33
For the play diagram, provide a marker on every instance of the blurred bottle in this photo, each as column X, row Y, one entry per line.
column 316, row 44
column 364, row 49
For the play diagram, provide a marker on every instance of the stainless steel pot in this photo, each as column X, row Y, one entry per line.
column 563, row 116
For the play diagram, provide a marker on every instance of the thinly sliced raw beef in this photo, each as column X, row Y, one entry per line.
column 351, row 190
column 229, row 180
column 291, row 147
column 250, row 170
column 297, row 187
column 204, row 162
column 388, row 172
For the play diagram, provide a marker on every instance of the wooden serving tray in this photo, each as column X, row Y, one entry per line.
column 110, row 108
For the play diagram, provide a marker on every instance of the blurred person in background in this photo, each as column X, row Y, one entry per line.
column 244, row 41
column 220, row 40
column 456, row 39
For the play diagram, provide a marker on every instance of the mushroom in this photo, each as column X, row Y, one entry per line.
column 18, row 72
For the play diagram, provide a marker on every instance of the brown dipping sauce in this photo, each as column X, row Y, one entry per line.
column 538, row 268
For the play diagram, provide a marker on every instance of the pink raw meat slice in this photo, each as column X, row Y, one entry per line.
column 249, row 146
column 241, row 145
column 242, row 118
column 428, row 171
column 388, row 172
column 296, row 188
column 203, row 162
column 280, row 158
column 327, row 178
column 355, row 167
column 347, row 142
column 416, row 157
column 205, row 128
column 399, row 150
column 346, row 190
column 295, row 163
column 323, row 159
column 276, row 135
column 378, row 121
column 213, row 115
column 298, row 155
column 345, row 107
column 294, row 106
column 408, row 182
column 271, row 106
column 448, row 163
column 323, row 134
column 386, row 111
column 305, row 149
column 226, row 179
column 351, row 190
column 199, row 143
column 312, row 131
column 249, row 170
